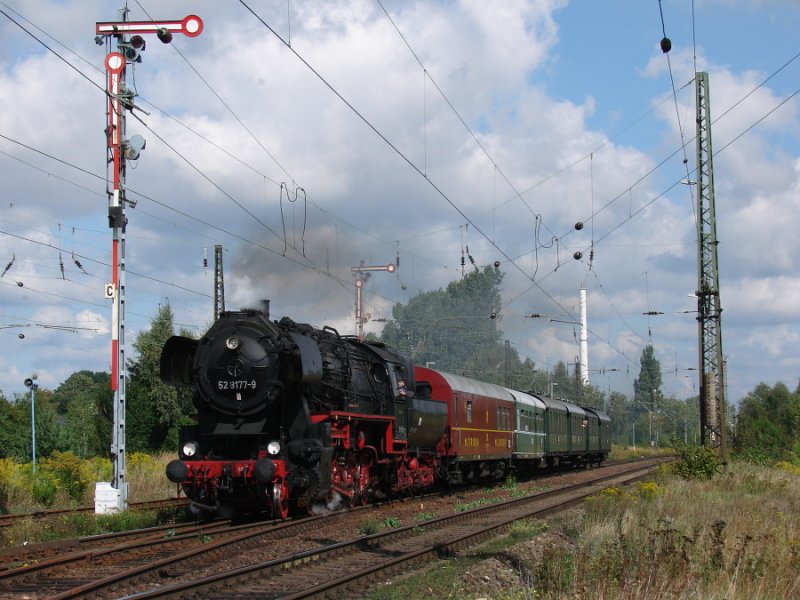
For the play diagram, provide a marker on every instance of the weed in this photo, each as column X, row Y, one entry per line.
column 369, row 526
column 459, row 507
column 697, row 462
column 425, row 516
column 556, row 573
column 647, row 490
column 392, row 522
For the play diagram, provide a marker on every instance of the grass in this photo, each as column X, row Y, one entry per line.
column 735, row 536
column 629, row 452
column 65, row 481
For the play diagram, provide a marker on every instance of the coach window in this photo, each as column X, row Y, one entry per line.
column 469, row 411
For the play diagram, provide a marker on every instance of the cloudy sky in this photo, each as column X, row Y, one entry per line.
column 306, row 137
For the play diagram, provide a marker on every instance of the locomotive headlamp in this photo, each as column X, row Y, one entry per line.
column 273, row 448
column 232, row 342
column 190, row 449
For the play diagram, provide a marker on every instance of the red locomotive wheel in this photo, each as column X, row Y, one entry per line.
column 280, row 501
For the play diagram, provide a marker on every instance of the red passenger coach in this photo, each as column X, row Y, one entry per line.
column 480, row 424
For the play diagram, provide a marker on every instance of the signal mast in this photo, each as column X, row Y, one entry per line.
column 130, row 45
column 362, row 273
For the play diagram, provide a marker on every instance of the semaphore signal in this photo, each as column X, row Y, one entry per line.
column 130, row 45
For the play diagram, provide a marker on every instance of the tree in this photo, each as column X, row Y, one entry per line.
column 85, row 401
column 455, row 328
column 16, row 436
column 647, row 388
column 768, row 424
column 563, row 383
column 14, row 430
column 620, row 412
column 155, row 410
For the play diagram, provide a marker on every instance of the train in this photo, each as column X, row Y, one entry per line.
column 293, row 418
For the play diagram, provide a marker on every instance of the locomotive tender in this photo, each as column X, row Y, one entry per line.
column 290, row 416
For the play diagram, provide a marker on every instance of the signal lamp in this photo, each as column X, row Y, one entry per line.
column 232, row 343
column 164, row 34
column 134, row 146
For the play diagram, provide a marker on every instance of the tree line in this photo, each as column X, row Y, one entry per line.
column 455, row 329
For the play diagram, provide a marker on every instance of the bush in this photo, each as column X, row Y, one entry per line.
column 44, row 489
column 756, row 456
column 70, row 472
column 6, row 477
column 697, row 462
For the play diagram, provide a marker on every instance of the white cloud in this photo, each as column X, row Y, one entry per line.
column 366, row 201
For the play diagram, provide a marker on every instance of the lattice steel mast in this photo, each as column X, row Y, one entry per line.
column 709, row 311
column 219, row 283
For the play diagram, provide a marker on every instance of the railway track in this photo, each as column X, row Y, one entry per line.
column 352, row 567
column 250, row 558
column 97, row 566
column 9, row 519
column 21, row 556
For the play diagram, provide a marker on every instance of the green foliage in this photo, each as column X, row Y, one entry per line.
column 392, row 522
column 556, row 572
column 15, row 430
column 697, row 462
column 425, row 516
column 155, row 410
column 72, row 474
column 85, row 401
column 369, row 526
column 647, row 387
column 44, row 488
column 768, row 425
column 454, row 328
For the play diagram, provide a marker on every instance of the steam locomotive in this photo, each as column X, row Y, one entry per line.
column 291, row 417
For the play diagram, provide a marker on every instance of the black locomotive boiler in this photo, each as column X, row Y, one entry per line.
column 290, row 416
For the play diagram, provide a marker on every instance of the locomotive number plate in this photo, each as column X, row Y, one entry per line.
column 236, row 384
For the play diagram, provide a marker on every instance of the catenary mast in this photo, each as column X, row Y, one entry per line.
column 709, row 310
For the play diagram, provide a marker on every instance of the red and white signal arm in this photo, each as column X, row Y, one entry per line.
column 190, row 25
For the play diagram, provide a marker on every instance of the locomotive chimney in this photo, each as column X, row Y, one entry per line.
column 265, row 308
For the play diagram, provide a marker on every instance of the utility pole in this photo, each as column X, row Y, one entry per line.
column 219, row 283
column 130, row 45
column 32, row 385
column 362, row 273
column 584, row 338
column 711, row 366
